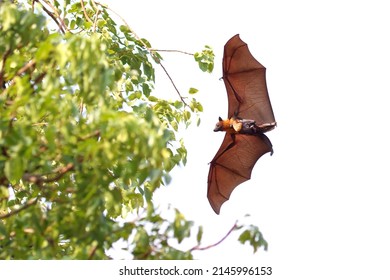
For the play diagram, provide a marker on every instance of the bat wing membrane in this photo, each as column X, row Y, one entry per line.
column 232, row 165
column 245, row 83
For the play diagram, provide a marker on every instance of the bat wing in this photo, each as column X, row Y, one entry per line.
column 233, row 164
column 245, row 83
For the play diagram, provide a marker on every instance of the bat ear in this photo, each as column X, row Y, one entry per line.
column 220, row 119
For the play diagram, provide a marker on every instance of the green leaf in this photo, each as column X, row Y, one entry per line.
column 146, row 43
column 181, row 227
column 199, row 235
column 254, row 237
column 152, row 98
column 178, row 104
column 101, row 23
column 136, row 200
column 14, row 169
column 192, row 91
column 124, row 28
column 187, row 115
column 141, row 239
column 146, row 89
column 198, row 120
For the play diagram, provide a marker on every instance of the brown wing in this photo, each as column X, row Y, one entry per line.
column 233, row 164
column 245, row 83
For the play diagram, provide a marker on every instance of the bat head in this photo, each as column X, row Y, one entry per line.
column 222, row 125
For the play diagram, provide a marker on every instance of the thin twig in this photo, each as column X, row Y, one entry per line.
column 234, row 227
column 40, row 124
column 16, row 211
column 39, row 78
column 178, row 51
column 118, row 15
column 28, row 65
column 61, row 172
column 94, row 5
column 96, row 133
column 95, row 22
column 55, row 17
column 4, row 58
column 39, row 179
column 84, row 11
column 169, row 77
column 93, row 251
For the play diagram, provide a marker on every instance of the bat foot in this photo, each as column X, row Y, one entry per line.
column 267, row 126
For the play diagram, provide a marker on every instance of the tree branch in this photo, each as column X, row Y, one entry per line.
column 4, row 58
column 39, row 179
column 96, row 133
column 54, row 16
column 92, row 253
column 95, row 22
column 25, row 206
column 28, row 65
column 84, row 11
column 178, row 51
column 173, row 83
column 197, row 247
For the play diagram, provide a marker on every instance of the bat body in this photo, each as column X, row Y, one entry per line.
column 250, row 115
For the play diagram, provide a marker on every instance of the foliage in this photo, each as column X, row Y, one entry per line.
column 83, row 142
column 254, row 237
column 205, row 59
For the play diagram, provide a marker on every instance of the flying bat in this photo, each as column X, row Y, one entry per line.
column 250, row 115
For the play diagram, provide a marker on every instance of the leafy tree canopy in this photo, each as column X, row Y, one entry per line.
column 83, row 141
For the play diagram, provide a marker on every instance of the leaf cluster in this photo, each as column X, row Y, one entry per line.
column 205, row 59
column 83, row 142
column 152, row 240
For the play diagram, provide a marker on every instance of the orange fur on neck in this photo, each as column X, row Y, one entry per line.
column 231, row 125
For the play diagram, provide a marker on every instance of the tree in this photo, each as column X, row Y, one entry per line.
column 83, row 142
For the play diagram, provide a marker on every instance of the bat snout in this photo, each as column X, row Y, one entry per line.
column 218, row 127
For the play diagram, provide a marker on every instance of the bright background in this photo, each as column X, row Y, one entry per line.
column 322, row 199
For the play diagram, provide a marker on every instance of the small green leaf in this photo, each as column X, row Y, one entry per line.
column 146, row 42
column 124, row 28
column 152, row 98
column 187, row 115
column 192, row 90
column 135, row 95
column 14, row 169
column 87, row 24
column 199, row 235
column 136, row 200
column 181, row 227
column 101, row 22
column 178, row 104
column 146, row 89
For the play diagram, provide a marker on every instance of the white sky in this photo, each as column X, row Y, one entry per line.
column 322, row 199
